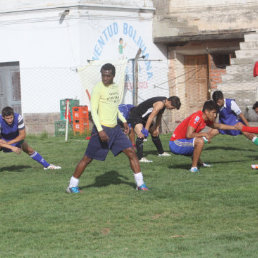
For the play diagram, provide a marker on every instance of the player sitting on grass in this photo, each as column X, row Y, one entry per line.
column 107, row 134
column 188, row 139
column 144, row 122
column 230, row 114
column 13, row 135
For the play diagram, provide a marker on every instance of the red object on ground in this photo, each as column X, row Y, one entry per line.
column 256, row 69
column 87, row 138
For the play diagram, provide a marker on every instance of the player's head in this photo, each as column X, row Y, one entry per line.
column 108, row 72
column 8, row 115
column 218, row 98
column 173, row 102
column 255, row 107
column 210, row 110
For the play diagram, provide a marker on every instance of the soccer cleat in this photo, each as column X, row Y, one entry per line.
column 143, row 187
column 73, row 189
column 51, row 166
column 164, row 154
column 144, row 160
column 254, row 166
column 194, row 170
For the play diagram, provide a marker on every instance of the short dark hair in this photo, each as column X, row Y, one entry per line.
column 7, row 111
column 210, row 105
column 217, row 95
column 255, row 105
column 175, row 101
column 107, row 67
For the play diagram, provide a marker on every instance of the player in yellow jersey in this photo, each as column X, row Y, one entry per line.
column 106, row 133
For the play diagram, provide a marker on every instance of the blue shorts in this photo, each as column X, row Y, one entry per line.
column 17, row 144
column 230, row 132
column 118, row 142
column 182, row 147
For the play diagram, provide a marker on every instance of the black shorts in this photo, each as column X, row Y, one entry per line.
column 134, row 120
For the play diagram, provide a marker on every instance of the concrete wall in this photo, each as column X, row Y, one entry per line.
column 211, row 15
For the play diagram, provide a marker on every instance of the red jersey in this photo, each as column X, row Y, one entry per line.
column 195, row 120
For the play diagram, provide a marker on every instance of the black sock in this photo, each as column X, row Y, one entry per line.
column 139, row 147
column 158, row 144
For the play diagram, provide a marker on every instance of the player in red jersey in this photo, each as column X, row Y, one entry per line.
column 188, row 139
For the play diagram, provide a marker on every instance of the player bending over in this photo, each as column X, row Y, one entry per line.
column 230, row 114
column 106, row 133
column 188, row 139
column 13, row 135
column 144, row 122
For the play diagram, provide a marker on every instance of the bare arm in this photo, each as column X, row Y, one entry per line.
column 243, row 119
column 156, row 108
column 10, row 147
column 224, row 127
column 20, row 137
column 192, row 134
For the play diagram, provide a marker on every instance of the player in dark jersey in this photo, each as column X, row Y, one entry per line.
column 230, row 114
column 188, row 138
column 146, row 117
column 13, row 135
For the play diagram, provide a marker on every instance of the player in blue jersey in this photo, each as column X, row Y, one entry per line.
column 230, row 114
column 12, row 130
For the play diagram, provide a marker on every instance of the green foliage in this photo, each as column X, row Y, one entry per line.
column 212, row 213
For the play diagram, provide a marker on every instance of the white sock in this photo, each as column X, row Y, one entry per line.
column 74, row 182
column 138, row 179
column 254, row 138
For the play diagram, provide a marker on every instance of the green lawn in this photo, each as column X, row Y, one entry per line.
column 213, row 213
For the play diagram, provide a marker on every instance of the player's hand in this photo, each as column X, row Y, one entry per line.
column 2, row 141
column 145, row 132
column 126, row 128
column 103, row 136
column 16, row 150
column 238, row 126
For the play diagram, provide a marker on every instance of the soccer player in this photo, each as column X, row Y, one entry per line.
column 13, row 135
column 188, row 139
column 106, row 133
column 255, row 107
column 230, row 114
column 142, row 120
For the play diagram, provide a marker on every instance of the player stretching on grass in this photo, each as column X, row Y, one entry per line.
column 13, row 135
column 142, row 120
column 106, row 133
column 230, row 114
column 188, row 139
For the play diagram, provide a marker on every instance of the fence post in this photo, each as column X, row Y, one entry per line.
column 135, row 77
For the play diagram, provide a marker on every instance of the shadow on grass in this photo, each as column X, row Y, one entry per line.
column 14, row 168
column 187, row 165
column 109, row 178
column 225, row 148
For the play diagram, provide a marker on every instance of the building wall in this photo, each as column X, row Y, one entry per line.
column 50, row 43
column 216, row 15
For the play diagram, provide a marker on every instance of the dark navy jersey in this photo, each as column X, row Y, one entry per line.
column 143, row 108
column 9, row 132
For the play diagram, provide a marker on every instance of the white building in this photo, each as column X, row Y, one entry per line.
column 44, row 42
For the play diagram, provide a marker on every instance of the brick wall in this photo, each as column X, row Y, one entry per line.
column 217, row 67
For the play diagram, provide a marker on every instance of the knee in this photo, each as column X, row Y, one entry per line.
column 130, row 153
column 199, row 141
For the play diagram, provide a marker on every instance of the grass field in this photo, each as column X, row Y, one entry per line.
column 213, row 213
